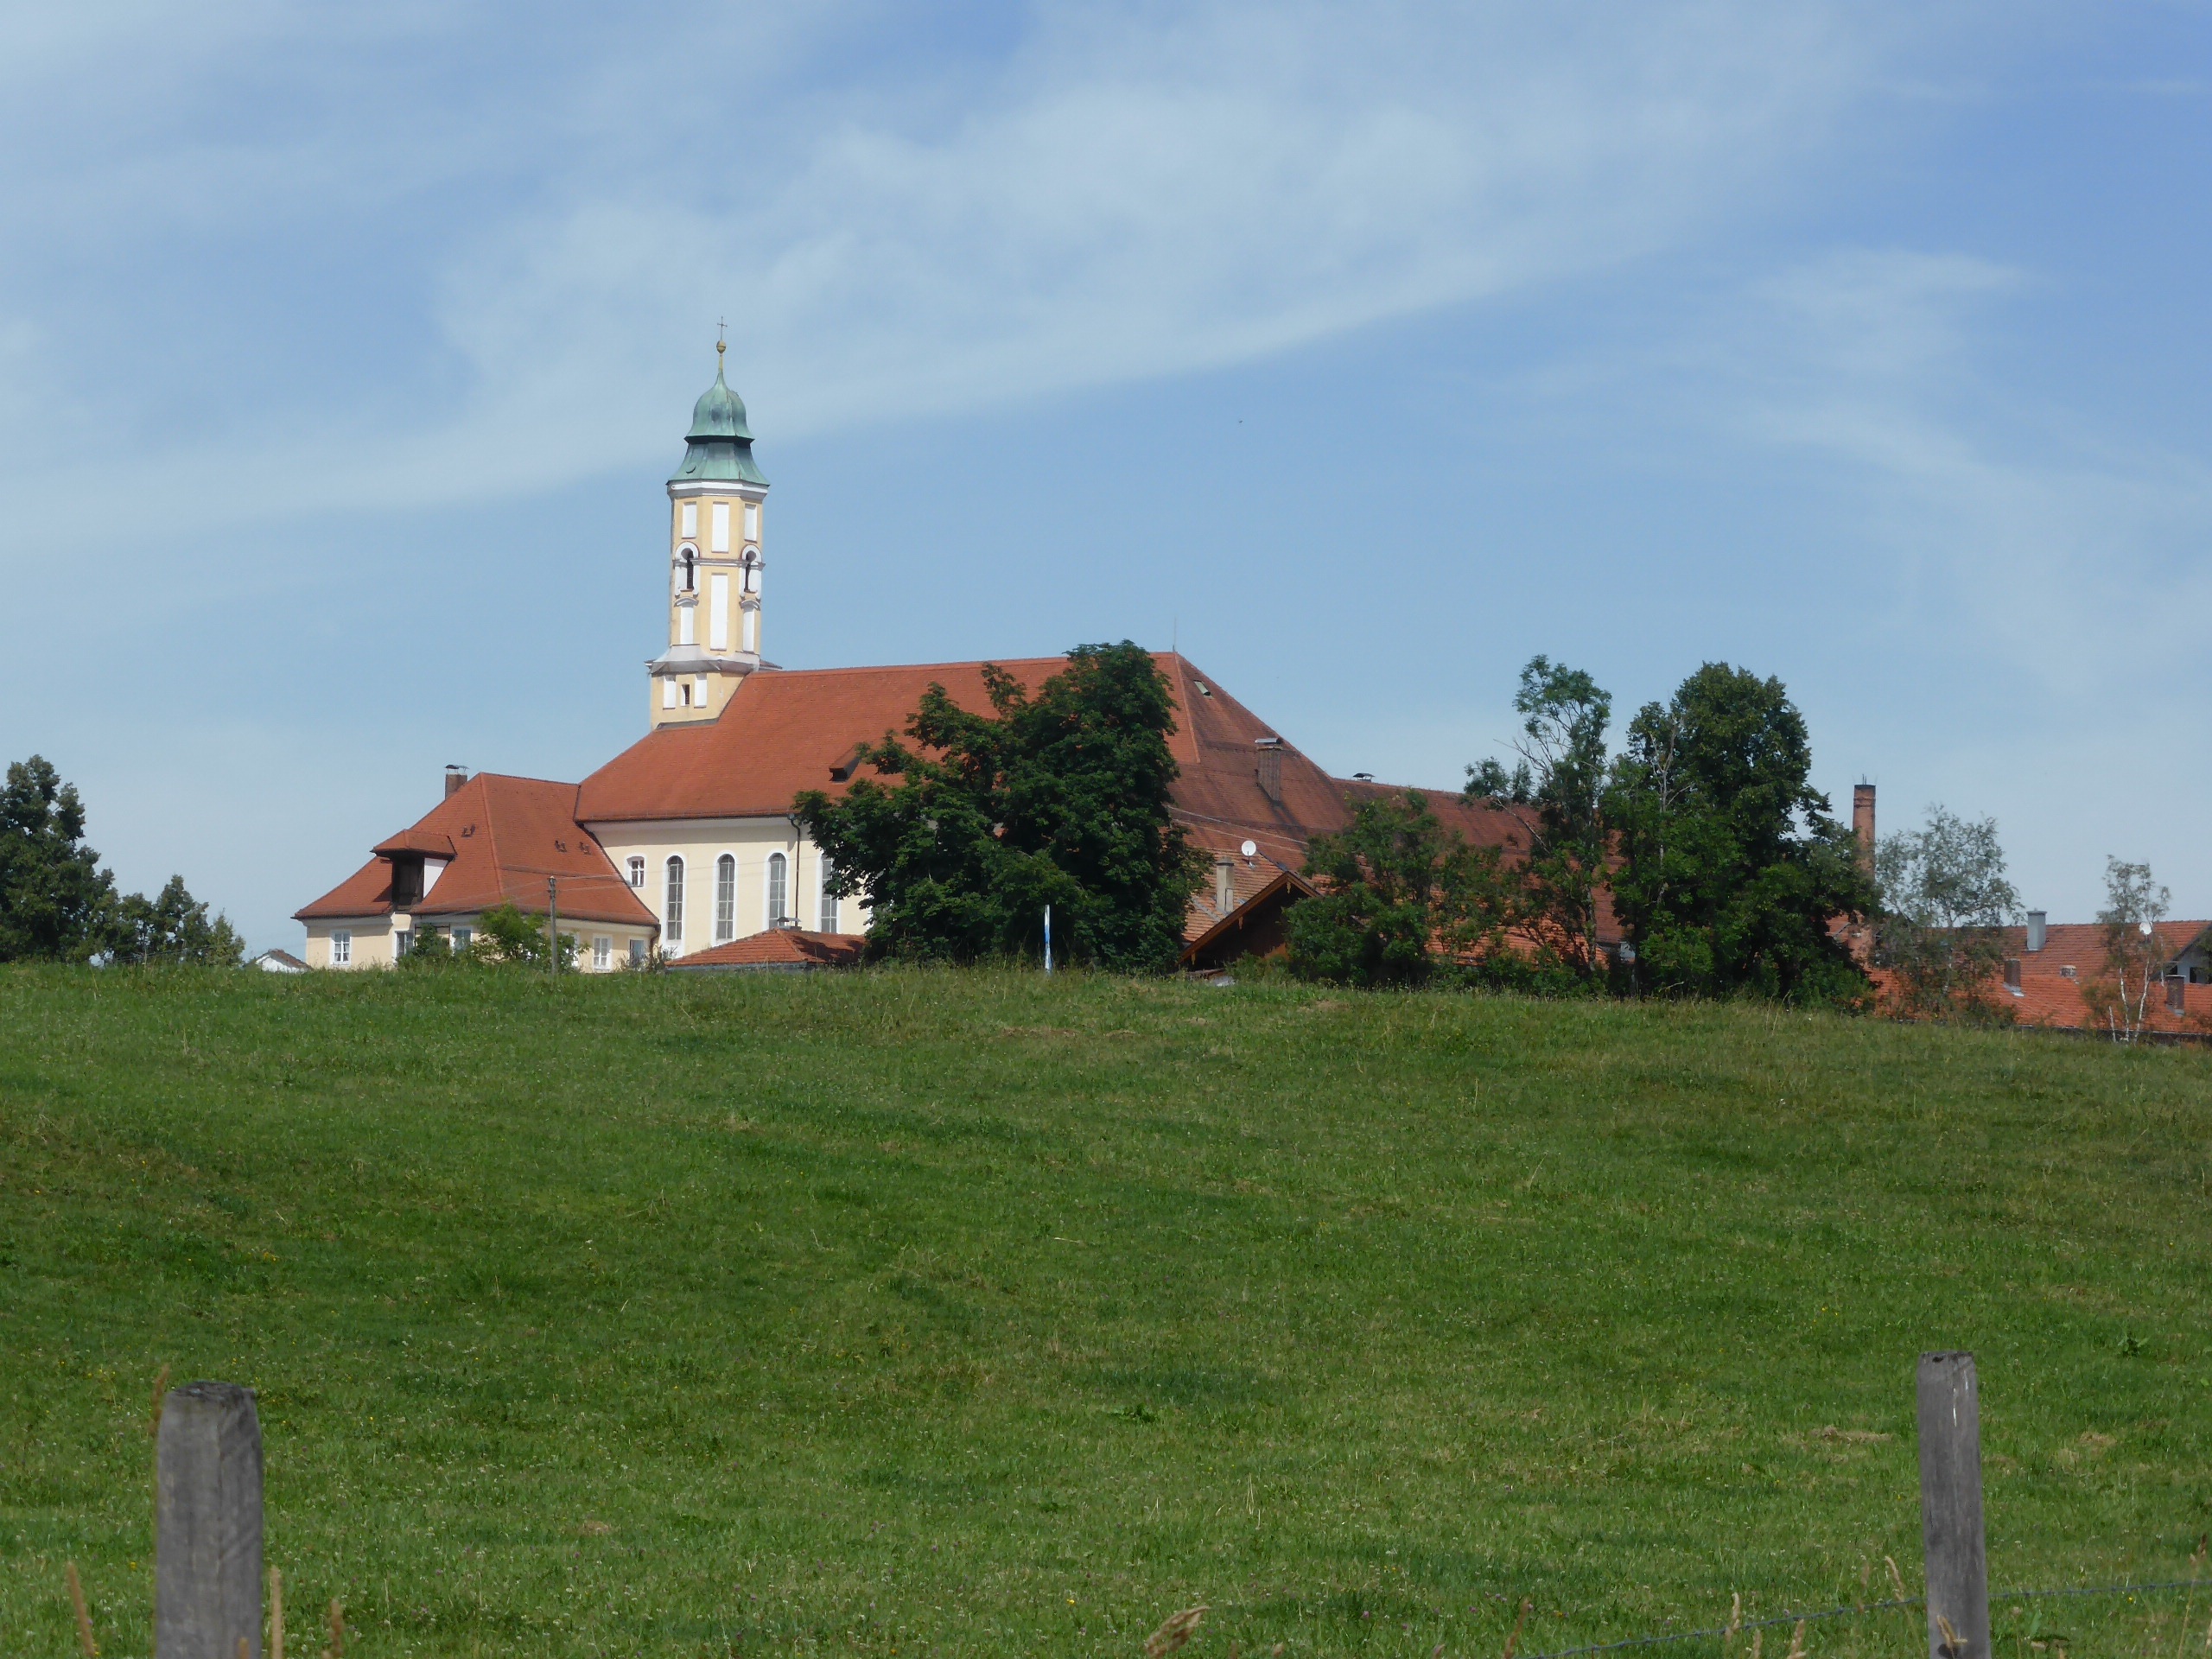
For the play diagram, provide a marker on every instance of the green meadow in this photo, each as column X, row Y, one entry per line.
column 944, row 1313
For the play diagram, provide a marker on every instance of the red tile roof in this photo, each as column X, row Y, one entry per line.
column 2073, row 956
column 779, row 947
column 506, row 836
column 788, row 730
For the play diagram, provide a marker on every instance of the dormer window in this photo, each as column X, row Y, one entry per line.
column 406, row 879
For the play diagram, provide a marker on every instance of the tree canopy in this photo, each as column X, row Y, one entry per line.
column 1730, row 869
column 1944, row 903
column 58, row 905
column 977, row 821
column 1403, row 896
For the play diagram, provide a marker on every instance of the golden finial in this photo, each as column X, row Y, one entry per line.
column 719, row 328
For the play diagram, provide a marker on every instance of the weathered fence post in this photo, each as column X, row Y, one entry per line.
column 207, row 1525
column 1950, row 1507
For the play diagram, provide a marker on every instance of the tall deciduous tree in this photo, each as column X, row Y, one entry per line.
column 56, row 903
column 1731, row 868
column 173, row 927
column 1059, row 799
column 1402, row 895
column 1558, row 793
column 1944, row 903
column 2118, row 994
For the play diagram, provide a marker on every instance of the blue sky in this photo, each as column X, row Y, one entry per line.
column 1364, row 350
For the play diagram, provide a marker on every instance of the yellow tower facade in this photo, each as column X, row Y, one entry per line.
column 717, row 501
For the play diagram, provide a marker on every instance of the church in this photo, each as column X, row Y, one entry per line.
column 684, row 846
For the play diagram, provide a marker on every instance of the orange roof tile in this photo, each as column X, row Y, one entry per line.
column 2073, row 956
column 507, row 836
column 779, row 947
column 788, row 730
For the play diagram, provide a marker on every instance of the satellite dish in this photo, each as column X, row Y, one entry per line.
column 1250, row 849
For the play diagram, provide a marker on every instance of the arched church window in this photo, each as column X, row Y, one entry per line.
column 690, row 570
column 672, row 902
column 777, row 912
column 725, row 898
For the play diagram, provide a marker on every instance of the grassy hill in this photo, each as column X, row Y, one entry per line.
column 935, row 1313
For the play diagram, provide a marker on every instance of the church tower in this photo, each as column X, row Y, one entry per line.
column 714, row 564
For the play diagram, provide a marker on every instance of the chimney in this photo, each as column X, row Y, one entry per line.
column 2177, row 993
column 1268, row 769
column 1862, row 823
column 2035, row 929
column 455, row 777
column 1225, row 884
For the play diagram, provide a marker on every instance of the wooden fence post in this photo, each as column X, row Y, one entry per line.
column 1950, row 1507
column 207, row 1525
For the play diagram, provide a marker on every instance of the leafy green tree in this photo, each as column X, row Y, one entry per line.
column 1944, row 905
column 1059, row 799
column 56, row 903
column 1731, row 870
column 173, row 928
column 1404, row 898
column 2119, row 993
column 509, row 936
column 1558, row 794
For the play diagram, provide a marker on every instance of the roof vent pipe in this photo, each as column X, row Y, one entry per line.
column 2036, row 919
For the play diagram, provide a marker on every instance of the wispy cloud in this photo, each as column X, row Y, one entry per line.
column 1113, row 196
column 2031, row 531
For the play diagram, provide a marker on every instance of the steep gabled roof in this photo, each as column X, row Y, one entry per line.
column 505, row 837
column 788, row 730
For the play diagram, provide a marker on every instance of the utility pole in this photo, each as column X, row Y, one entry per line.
column 553, row 925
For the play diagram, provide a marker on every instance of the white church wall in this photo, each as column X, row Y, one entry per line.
column 702, row 843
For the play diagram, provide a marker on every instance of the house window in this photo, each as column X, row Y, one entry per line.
column 725, row 898
column 672, row 905
column 718, row 611
column 753, row 521
column 402, row 942
column 462, row 936
column 603, row 952
column 829, row 920
column 342, row 948
column 721, row 542
column 636, row 952
column 777, row 869
column 637, row 872
column 691, row 519
column 667, row 697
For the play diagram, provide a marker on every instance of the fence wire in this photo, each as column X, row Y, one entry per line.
column 1719, row 1631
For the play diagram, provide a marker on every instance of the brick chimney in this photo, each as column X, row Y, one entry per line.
column 2036, row 921
column 1267, row 767
column 455, row 777
column 1862, row 823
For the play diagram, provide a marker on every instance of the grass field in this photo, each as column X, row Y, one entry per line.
column 934, row 1313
